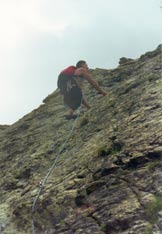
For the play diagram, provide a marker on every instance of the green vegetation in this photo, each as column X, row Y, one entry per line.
column 153, row 208
column 107, row 150
column 149, row 229
column 104, row 151
column 153, row 165
column 83, row 121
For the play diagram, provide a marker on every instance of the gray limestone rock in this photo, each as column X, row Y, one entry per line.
column 107, row 178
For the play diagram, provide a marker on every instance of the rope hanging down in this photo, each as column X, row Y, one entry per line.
column 43, row 182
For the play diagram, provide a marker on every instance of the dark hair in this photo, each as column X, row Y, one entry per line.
column 80, row 63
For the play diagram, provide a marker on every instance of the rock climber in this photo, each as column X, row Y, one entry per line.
column 70, row 83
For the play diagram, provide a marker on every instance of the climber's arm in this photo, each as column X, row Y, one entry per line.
column 89, row 78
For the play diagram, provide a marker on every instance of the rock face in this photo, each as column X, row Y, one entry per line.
column 108, row 174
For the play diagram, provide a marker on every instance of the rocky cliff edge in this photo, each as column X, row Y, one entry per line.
column 108, row 177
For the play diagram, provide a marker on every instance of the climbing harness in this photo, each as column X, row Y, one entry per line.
column 42, row 183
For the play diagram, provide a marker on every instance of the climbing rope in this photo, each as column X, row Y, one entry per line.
column 43, row 182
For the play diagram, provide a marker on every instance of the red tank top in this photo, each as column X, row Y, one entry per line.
column 69, row 71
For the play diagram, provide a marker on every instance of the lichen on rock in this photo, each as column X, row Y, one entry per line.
column 107, row 178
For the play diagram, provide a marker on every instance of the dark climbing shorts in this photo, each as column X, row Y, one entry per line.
column 70, row 90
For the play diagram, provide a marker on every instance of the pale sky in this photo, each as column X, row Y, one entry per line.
column 41, row 37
